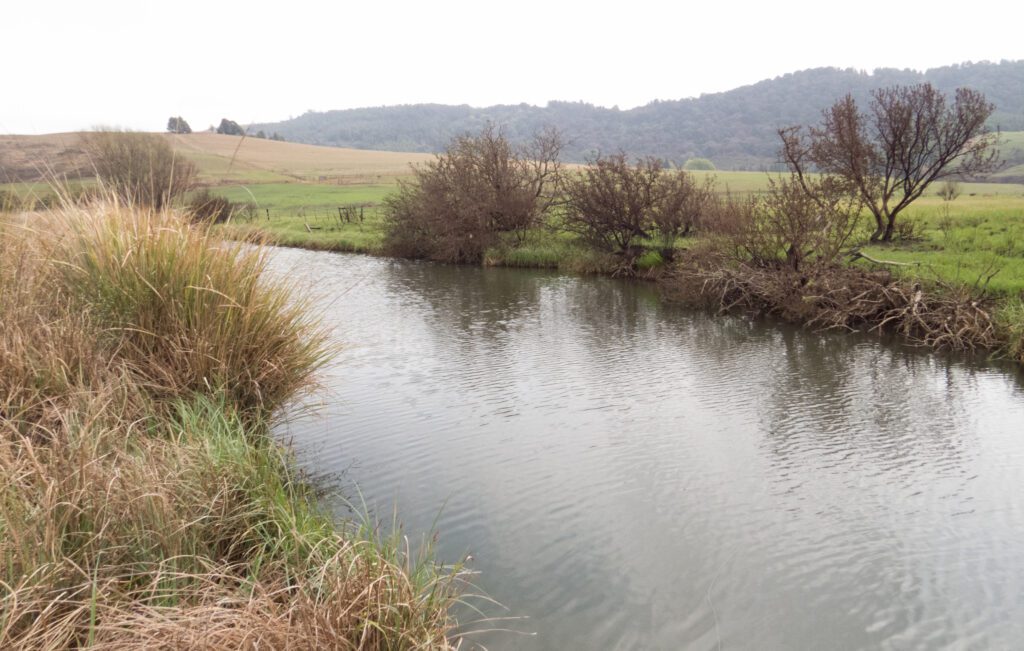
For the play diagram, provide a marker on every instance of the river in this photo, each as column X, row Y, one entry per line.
column 628, row 474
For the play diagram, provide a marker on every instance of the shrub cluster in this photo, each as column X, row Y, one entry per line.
column 479, row 190
column 621, row 208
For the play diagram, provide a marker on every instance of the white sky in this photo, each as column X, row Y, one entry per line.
column 70, row 65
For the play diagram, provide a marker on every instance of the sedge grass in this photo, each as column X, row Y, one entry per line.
column 142, row 502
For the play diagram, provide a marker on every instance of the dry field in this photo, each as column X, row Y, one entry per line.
column 221, row 160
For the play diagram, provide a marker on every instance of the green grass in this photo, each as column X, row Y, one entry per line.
column 292, row 199
column 966, row 240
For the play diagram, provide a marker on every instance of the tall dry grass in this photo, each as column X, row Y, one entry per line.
column 141, row 502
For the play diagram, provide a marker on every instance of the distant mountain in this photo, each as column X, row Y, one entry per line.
column 735, row 129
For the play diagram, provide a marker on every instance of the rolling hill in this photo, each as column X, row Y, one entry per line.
column 735, row 129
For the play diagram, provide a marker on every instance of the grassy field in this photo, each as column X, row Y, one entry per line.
column 226, row 159
column 220, row 159
column 974, row 240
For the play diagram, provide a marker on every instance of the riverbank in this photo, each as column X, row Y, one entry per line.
column 143, row 501
column 967, row 264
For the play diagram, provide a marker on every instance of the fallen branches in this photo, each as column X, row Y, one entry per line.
column 834, row 297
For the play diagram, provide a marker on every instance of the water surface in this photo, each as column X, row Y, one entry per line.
column 627, row 474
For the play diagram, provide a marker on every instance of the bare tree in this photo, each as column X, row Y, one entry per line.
column 949, row 190
column 888, row 156
column 610, row 203
column 679, row 207
column 481, row 187
column 141, row 168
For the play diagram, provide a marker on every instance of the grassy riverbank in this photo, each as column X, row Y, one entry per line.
column 972, row 246
column 960, row 242
column 142, row 501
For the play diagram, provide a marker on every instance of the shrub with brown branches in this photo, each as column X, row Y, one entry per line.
column 141, row 168
column 621, row 208
column 909, row 138
column 797, row 222
column 480, row 189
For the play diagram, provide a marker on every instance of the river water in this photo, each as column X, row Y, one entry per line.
column 631, row 475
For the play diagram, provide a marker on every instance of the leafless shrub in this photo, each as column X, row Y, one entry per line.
column 205, row 206
column 481, row 187
column 949, row 190
column 799, row 220
column 141, row 168
column 682, row 203
column 620, row 208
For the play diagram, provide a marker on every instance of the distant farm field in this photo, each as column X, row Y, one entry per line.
column 231, row 158
column 220, row 159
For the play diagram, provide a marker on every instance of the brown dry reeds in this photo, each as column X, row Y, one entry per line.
column 142, row 503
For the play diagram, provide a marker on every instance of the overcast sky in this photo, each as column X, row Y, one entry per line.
column 74, row 65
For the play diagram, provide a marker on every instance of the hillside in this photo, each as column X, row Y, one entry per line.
column 221, row 159
column 1011, row 150
column 735, row 129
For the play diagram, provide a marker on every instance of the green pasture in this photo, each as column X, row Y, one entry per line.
column 978, row 238
column 306, row 215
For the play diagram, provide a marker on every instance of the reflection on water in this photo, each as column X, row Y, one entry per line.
column 629, row 475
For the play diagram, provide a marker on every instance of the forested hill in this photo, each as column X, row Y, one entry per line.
column 735, row 129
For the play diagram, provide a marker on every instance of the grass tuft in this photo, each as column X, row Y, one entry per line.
column 142, row 502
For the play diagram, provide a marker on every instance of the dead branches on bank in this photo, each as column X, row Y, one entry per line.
column 834, row 297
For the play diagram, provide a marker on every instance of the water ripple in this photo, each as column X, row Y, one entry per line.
column 629, row 475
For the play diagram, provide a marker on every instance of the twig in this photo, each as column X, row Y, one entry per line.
column 856, row 254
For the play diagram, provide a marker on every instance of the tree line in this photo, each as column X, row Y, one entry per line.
column 178, row 125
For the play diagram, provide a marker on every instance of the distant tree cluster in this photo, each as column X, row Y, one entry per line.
column 699, row 165
column 178, row 125
column 230, row 128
